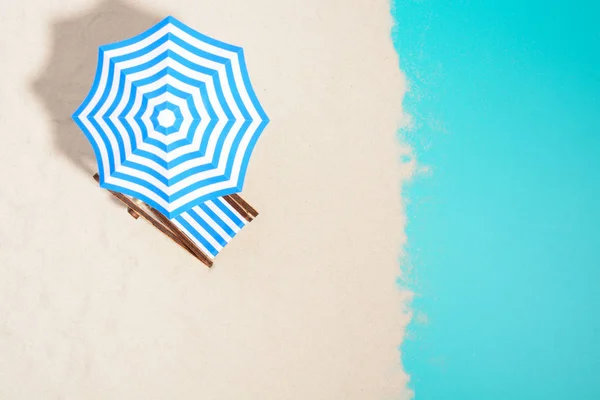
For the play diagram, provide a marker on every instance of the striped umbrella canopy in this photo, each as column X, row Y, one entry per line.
column 172, row 117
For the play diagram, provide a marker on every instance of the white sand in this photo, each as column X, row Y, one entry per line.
column 303, row 304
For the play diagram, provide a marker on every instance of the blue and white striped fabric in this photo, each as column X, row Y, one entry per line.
column 172, row 117
column 210, row 225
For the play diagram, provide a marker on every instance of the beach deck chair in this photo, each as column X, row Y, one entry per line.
column 204, row 230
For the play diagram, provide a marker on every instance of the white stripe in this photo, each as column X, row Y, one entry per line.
column 213, row 224
column 202, row 231
column 223, row 216
column 186, row 116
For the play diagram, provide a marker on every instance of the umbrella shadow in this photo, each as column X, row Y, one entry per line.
column 68, row 73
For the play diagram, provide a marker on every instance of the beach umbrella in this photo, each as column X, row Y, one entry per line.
column 172, row 117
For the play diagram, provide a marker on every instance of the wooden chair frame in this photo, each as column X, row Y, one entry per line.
column 137, row 208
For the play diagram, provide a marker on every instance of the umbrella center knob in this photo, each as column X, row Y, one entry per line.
column 166, row 118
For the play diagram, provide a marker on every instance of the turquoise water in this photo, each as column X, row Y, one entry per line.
column 503, row 235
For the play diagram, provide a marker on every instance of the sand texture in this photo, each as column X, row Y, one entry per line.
column 303, row 303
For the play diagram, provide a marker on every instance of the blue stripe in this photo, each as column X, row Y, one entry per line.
column 207, row 227
column 194, row 233
column 233, row 216
column 178, row 118
column 211, row 214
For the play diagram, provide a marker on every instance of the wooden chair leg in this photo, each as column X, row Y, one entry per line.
column 184, row 238
column 241, row 206
column 158, row 222
column 133, row 213
column 245, row 205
